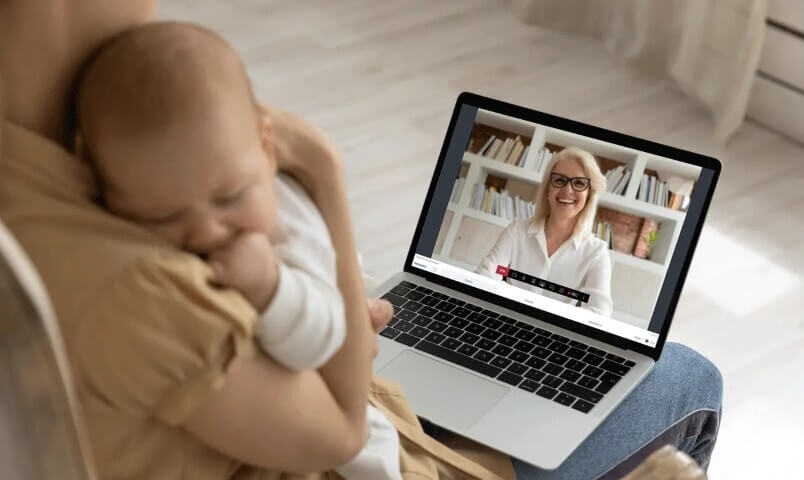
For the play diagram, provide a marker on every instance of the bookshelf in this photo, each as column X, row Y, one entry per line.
column 468, row 233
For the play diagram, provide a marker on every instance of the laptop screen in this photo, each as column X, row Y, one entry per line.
column 594, row 227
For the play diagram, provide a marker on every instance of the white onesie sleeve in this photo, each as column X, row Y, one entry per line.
column 304, row 324
column 379, row 458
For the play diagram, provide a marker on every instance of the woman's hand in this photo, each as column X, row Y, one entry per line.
column 301, row 149
column 380, row 313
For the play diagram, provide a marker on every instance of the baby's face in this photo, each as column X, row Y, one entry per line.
column 196, row 186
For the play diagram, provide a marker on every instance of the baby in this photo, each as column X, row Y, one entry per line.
column 167, row 116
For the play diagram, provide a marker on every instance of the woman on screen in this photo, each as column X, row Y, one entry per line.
column 556, row 244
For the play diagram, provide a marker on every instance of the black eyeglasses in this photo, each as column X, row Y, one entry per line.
column 579, row 184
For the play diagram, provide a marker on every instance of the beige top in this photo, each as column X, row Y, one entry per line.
column 148, row 338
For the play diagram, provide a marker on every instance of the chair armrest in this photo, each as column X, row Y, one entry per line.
column 667, row 463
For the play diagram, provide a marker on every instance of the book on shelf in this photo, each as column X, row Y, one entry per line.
column 605, row 232
column 679, row 191
column 504, row 150
column 477, row 196
column 457, row 189
column 507, row 157
column 512, row 151
column 493, row 148
column 524, row 157
column 642, row 194
column 658, row 194
column 516, row 151
column 624, row 228
column 675, row 201
column 654, row 191
column 647, row 238
column 619, row 189
column 537, row 160
column 487, row 195
column 486, row 145
column 612, row 177
column 617, row 179
column 656, row 188
column 500, row 203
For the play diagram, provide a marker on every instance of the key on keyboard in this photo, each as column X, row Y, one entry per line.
column 526, row 356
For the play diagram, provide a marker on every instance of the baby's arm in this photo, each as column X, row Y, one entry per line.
column 304, row 325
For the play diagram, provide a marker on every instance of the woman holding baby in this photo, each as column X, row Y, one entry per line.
column 151, row 262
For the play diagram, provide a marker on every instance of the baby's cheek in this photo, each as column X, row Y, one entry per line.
column 265, row 214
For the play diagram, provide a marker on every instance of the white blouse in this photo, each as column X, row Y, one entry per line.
column 581, row 263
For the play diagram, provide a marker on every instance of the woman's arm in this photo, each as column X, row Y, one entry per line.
column 272, row 417
column 597, row 283
column 304, row 326
column 304, row 151
column 301, row 421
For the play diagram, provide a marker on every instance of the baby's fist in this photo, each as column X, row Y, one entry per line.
column 248, row 265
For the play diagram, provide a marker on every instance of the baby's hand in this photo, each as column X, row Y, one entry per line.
column 248, row 265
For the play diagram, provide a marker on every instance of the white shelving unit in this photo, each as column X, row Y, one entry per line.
column 469, row 233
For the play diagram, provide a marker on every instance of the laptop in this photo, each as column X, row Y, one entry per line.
column 529, row 362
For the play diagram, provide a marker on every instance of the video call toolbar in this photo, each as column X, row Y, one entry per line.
column 578, row 295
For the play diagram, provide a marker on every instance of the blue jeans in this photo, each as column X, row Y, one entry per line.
column 678, row 403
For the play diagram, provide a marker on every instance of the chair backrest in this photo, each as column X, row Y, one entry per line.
column 41, row 435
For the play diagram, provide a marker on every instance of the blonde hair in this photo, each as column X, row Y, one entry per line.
column 586, row 217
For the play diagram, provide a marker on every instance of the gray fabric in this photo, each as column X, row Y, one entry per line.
column 38, row 439
column 709, row 48
column 695, row 434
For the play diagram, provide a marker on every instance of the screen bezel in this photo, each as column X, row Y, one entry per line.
column 572, row 126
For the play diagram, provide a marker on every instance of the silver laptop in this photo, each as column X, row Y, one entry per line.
column 531, row 362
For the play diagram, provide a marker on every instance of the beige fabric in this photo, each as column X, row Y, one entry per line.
column 147, row 336
column 667, row 463
column 710, row 48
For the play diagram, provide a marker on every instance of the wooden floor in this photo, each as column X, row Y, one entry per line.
column 382, row 76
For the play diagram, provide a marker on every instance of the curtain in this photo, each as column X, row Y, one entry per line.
column 710, row 48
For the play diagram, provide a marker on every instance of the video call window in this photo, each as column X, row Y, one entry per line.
column 501, row 197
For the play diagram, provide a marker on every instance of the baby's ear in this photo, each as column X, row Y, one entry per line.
column 266, row 136
column 265, row 126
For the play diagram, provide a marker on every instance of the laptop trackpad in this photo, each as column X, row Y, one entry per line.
column 442, row 393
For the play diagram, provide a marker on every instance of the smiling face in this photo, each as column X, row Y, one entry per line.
column 565, row 202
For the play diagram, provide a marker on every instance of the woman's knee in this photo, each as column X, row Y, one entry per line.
column 700, row 377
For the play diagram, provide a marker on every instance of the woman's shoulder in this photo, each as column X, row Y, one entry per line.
column 520, row 225
column 159, row 321
column 593, row 245
column 164, row 280
column 160, row 301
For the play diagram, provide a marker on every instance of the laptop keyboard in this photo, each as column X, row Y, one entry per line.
column 552, row 366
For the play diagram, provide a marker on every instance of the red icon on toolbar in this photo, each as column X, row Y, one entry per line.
column 502, row 270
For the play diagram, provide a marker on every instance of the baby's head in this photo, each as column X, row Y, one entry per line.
column 167, row 116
